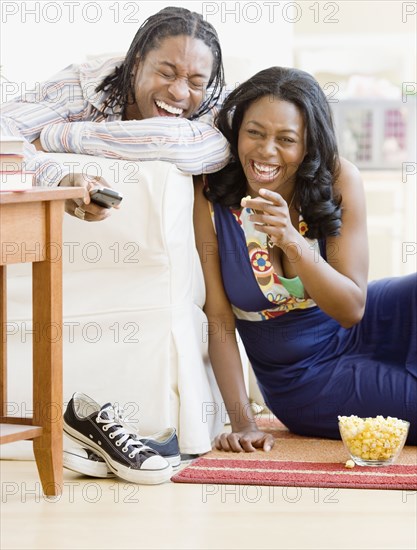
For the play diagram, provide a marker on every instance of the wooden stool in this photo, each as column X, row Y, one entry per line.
column 31, row 231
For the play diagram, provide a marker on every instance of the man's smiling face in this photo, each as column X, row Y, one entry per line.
column 172, row 79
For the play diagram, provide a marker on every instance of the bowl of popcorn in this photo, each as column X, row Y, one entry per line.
column 373, row 441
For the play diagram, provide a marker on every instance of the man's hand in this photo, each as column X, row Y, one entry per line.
column 37, row 144
column 84, row 209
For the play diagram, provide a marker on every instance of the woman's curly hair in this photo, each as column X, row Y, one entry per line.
column 314, row 192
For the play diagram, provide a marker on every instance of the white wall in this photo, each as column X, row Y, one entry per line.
column 338, row 39
column 40, row 38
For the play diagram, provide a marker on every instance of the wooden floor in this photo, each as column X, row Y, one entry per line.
column 109, row 514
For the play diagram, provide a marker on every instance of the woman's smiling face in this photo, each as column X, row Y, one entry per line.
column 271, row 144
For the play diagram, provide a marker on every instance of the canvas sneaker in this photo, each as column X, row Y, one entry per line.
column 101, row 430
column 166, row 444
column 85, row 461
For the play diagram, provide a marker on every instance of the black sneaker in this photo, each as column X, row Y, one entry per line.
column 85, row 461
column 103, row 431
column 166, row 444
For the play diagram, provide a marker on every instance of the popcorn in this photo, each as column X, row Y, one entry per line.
column 349, row 464
column 373, row 438
column 243, row 201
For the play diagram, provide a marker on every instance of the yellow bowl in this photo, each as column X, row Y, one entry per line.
column 373, row 441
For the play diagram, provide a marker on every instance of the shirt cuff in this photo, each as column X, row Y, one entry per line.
column 63, row 137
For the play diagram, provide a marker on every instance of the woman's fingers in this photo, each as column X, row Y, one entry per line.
column 272, row 196
column 255, row 204
column 261, row 205
column 238, row 442
column 228, row 442
column 268, row 220
column 268, row 442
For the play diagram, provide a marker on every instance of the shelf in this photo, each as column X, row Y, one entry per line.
column 16, row 432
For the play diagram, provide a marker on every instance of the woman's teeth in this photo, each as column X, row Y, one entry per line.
column 265, row 170
column 169, row 108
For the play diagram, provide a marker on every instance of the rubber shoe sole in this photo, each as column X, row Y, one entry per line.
column 160, row 472
column 86, row 462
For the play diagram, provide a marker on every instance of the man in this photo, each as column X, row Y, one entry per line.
column 156, row 103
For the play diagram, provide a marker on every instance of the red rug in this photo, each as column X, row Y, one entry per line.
column 299, row 461
column 231, row 471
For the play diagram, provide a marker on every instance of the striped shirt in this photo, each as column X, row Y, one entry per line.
column 66, row 113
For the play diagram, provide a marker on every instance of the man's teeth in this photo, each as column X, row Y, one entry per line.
column 265, row 169
column 169, row 108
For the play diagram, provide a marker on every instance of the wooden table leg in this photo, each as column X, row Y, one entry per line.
column 47, row 356
column 3, row 340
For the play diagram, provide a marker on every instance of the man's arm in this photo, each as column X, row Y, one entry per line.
column 46, row 170
column 57, row 100
column 194, row 146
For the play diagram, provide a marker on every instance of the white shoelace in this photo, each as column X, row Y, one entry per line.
column 125, row 435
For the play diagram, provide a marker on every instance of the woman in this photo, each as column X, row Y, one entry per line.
column 281, row 232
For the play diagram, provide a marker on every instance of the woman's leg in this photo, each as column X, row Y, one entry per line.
column 389, row 326
column 375, row 375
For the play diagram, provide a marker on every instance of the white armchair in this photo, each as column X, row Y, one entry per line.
column 134, row 331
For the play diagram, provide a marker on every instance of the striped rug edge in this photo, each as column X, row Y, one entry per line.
column 296, row 474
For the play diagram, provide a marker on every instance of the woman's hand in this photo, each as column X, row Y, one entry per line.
column 84, row 209
column 246, row 440
column 272, row 217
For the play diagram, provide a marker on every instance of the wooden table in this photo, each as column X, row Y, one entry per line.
column 31, row 231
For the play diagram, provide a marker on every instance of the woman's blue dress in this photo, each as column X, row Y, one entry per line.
column 310, row 369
